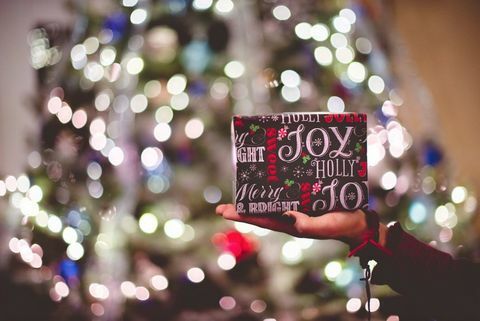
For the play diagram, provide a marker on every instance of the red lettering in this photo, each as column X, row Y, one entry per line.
column 271, row 132
column 272, row 158
column 273, row 179
column 305, row 187
column 272, row 170
column 305, row 196
column 357, row 118
column 339, row 117
column 272, row 144
column 271, row 155
column 305, row 203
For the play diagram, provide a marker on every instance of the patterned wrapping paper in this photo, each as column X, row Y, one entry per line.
column 309, row 162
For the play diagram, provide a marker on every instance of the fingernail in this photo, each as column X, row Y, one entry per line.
column 288, row 217
column 219, row 208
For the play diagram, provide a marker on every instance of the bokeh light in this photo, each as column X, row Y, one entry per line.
column 234, row 69
column 459, row 194
column 195, row 274
column 335, row 104
column 159, row 282
column 176, row 84
column 320, row 32
column 226, row 261
column 303, row 30
column 227, row 303
column 323, row 56
column 353, row 305
column 116, row 156
column 291, row 252
column 174, row 228
column 281, row 12
column 151, row 157
column 75, row 251
column 162, row 132
column 138, row 16
column 332, row 270
column 374, row 305
column 202, row 4
column 356, row 72
column 290, row 78
column 148, row 223
column 417, row 212
column 194, row 128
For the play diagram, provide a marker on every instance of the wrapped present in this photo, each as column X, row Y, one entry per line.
column 309, row 162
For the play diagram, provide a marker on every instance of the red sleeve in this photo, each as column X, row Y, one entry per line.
column 442, row 286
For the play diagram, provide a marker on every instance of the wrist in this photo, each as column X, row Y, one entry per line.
column 355, row 235
column 371, row 242
column 382, row 235
column 361, row 228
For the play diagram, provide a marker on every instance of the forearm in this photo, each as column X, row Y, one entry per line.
column 441, row 284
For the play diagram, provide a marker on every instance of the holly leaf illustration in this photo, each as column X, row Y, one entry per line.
column 306, row 158
column 288, row 182
column 358, row 147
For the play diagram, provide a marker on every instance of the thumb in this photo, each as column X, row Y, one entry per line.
column 302, row 223
column 296, row 216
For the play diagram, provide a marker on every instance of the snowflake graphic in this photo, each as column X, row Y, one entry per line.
column 275, row 117
column 263, row 119
column 253, row 167
column 244, row 176
column 317, row 142
column 309, row 172
column 351, row 196
column 261, row 174
column 284, row 168
column 298, row 172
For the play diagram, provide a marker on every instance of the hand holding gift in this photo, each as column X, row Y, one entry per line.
column 348, row 227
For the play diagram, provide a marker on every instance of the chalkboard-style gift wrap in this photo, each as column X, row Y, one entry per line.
column 309, row 162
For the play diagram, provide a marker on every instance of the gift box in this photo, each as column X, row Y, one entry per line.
column 308, row 162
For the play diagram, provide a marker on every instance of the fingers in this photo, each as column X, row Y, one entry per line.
column 296, row 216
column 220, row 208
column 304, row 225
column 228, row 212
column 321, row 227
column 334, row 225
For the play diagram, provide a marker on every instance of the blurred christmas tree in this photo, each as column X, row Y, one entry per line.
column 114, row 219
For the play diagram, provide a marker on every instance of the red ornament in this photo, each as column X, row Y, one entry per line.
column 241, row 246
